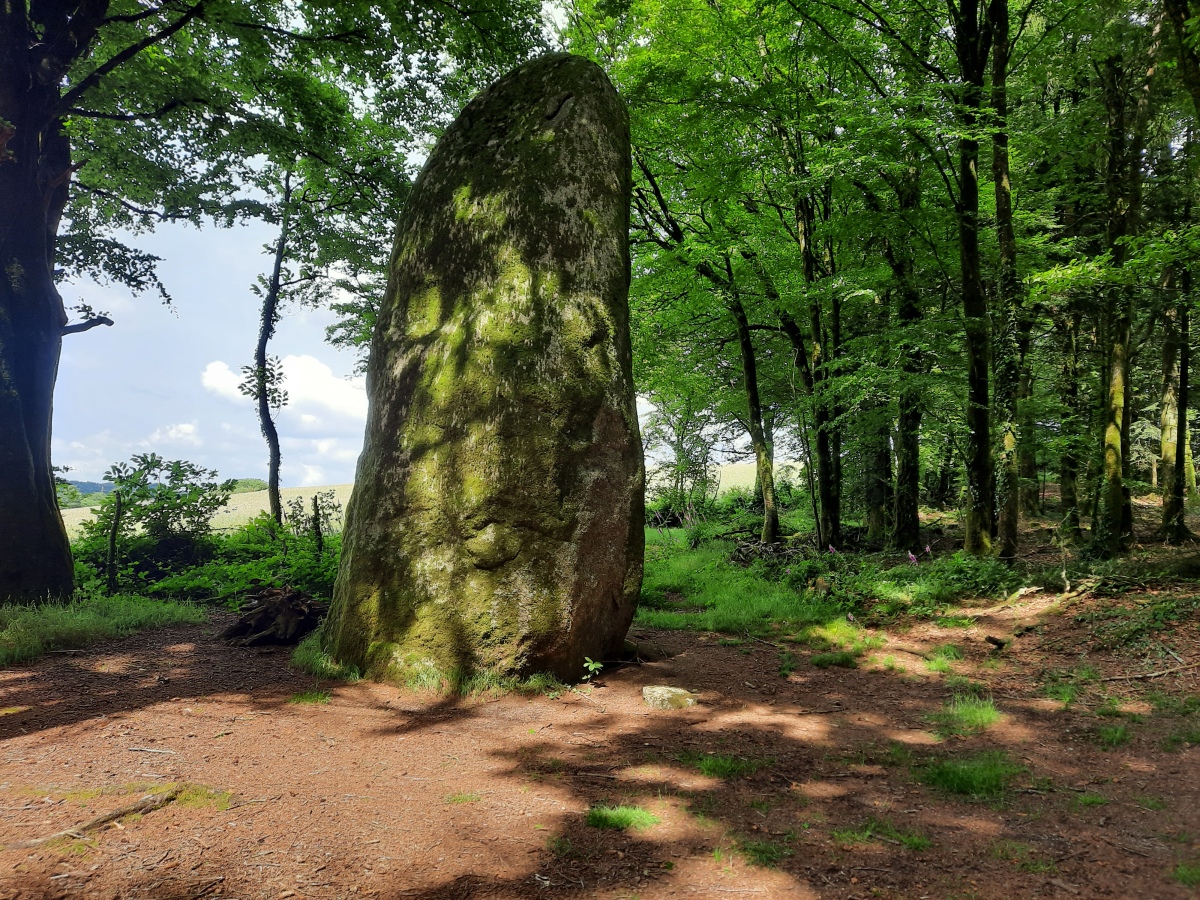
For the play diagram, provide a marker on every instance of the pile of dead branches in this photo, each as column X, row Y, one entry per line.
column 275, row 616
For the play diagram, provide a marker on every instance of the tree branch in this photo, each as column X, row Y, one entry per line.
column 80, row 327
column 94, row 77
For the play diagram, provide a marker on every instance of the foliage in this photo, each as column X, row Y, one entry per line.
column 247, row 485
column 27, row 632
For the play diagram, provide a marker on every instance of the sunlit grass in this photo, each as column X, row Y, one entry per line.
column 621, row 818
column 311, row 696
column 965, row 714
column 27, row 632
column 701, row 590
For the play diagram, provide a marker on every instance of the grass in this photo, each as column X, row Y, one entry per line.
column 1177, row 739
column 874, row 829
column 463, row 798
column 766, row 854
column 28, row 632
column 308, row 657
column 716, row 765
column 965, row 714
column 1171, row 705
column 312, row 695
column 787, row 663
column 985, row 776
column 840, row 658
column 941, row 658
column 701, row 590
column 1112, row 736
column 621, row 818
column 1187, row 874
column 1086, row 800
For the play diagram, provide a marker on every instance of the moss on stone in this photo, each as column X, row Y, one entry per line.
column 496, row 522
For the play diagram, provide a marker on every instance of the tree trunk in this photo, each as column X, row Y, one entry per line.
column 110, row 556
column 971, row 47
column 1008, row 294
column 1174, row 522
column 265, row 390
column 1126, row 142
column 878, row 456
column 1168, row 420
column 1068, row 466
column 1112, row 494
column 762, row 453
column 35, row 169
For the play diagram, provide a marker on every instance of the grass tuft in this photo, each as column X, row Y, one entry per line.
column 877, row 828
column 1187, row 874
column 308, row 657
column 463, row 798
column 985, row 776
column 965, row 714
column 312, row 695
column 1112, row 736
column 716, row 765
column 766, row 854
column 1177, row 739
column 28, row 632
column 621, row 818
column 841, row 658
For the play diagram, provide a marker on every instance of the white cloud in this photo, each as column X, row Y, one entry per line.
column 313, row 475
column 309, row 382
column 185, row 433
column 219, row 379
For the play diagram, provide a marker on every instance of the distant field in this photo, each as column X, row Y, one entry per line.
column 244, row 507
column 241, row 509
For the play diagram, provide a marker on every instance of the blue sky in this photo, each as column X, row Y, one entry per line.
column 165, row 379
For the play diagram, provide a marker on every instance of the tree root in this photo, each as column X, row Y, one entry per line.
column 147, row 804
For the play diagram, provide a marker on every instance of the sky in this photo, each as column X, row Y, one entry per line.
column 164, row 380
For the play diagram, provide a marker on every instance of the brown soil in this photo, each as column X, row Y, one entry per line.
column 394, row 793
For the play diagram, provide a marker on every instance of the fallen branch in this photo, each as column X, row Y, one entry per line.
column 149, row 750
column 1146, row 675
column 147, row 804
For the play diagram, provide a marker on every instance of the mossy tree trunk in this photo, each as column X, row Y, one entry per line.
column 1068, row 464
column 1174, row 523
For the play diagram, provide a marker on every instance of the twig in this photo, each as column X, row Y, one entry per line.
column 589, row 775
column 148, row 750
column 1152, row 674
column 146, row 804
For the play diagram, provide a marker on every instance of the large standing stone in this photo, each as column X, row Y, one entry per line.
column 496, row 521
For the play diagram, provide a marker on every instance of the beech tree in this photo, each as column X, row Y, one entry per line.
column 122, row 114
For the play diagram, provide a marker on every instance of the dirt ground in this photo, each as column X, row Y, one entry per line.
column 389, row 793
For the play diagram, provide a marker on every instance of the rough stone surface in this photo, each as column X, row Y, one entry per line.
column 661, row 696
column 496, row 520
